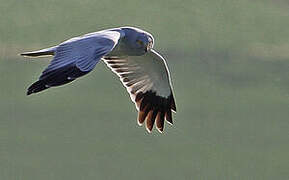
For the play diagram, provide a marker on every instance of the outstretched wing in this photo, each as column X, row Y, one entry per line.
column 75, row 58
column 148, row 82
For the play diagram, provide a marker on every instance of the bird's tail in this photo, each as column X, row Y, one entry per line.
column 43, row 52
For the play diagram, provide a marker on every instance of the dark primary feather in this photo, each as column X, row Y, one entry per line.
column 154, row 108
column 56, row 77
column 36, row 54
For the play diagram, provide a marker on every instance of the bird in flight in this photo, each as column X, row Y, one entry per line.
column 129, row 53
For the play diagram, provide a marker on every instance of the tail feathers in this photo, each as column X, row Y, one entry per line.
column 37, row 87
column 43, row 52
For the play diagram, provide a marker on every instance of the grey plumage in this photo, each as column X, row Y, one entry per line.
column 128, row 52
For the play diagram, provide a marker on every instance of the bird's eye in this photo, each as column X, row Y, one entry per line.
column 139, row 42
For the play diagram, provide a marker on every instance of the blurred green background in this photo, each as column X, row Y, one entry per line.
column 229, row 61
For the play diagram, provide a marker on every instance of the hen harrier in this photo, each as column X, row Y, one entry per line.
column 128, row 52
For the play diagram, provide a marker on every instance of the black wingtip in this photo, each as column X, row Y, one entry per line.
column 27, row 54
column 154, row 109
column 28, row 92
column 43, row 52
column 173, row 104
column 36, row 87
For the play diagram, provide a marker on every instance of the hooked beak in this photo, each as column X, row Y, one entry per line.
column 148, row 47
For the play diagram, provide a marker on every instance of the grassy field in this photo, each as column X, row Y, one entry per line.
column 230, row 70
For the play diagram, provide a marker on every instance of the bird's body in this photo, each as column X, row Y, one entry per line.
column 128, row 52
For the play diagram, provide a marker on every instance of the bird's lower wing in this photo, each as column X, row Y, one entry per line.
column 147, row 80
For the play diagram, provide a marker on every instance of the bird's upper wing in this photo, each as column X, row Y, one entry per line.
column 84, row 51
column 74, row 58
column 147, row 80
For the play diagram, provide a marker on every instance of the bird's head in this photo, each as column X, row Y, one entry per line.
column 144, row 42
column 138, row 40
